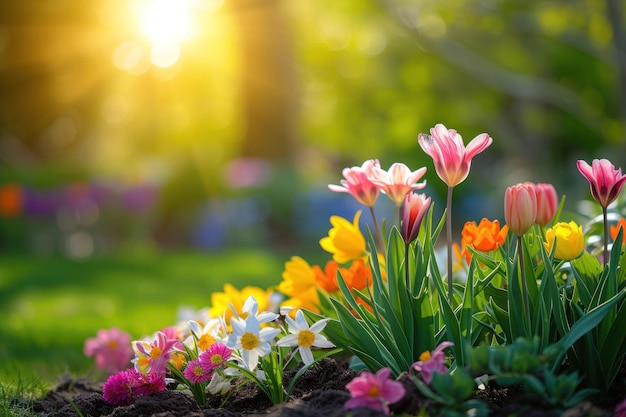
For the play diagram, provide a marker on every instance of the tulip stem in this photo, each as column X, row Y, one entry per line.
column 406, row 266
column 449, row 241
column 377, row 231
column 605, row 237
column 520, row 255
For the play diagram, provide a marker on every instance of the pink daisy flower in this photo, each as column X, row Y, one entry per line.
column 197, row 371
column 215, row 356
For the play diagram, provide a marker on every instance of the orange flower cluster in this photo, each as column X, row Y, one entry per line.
column 484, row 237
column 357, row 276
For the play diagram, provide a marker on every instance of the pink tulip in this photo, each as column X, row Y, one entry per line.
column 398, row 181
column 413, row 211
column 605, row 181
column 547, row 203
column 357, row 182
column 520, row 207
column 374, row 391
column 451, row 158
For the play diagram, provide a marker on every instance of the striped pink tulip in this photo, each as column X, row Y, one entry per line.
column 451, row 158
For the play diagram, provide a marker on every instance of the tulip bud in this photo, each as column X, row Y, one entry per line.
column 413, row 211
column 568, row 239
column 520, row 207
column 547, row 203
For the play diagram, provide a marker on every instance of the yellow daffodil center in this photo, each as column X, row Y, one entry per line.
column 306, row 338
column 249, row 341
column 155, row 352
column 373, row 391
column 205, row 341
column 216, row 359
column 425, row 356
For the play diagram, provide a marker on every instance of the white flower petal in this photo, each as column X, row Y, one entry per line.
column 289, row 340
column 321, row 342
column 318, row 326
column 306, row 354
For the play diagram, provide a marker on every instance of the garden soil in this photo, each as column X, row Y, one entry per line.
column 319, row 392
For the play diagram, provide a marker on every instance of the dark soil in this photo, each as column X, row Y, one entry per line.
column 320, row 392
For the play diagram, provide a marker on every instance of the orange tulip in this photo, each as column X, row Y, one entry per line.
column 485, row 237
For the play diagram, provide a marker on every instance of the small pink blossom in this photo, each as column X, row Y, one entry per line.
column 197, row 371
column 111, row 349
column 154, row 355
column 215, row 356
column 374, row 391
column 121, row 388
column 398, row 181
column 357, row 182
column 431, row 362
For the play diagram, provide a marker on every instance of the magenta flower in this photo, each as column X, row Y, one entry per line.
column 374, row 391
column 398, row 181
column 197, row 371
column 111, row 349
column 431, row 362
column 605, row 181
column 215, row 356
column 451, row 158
column 413, row 211
column 357, row 182
column 149, row 383
column 620, row 410
column 547, row 203
column 122, row 387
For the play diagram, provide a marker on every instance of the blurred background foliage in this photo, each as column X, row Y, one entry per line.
column 209, row 123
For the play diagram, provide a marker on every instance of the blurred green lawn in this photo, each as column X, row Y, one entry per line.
column 48, row 307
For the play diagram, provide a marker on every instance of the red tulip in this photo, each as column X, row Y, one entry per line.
column 605, row 181
column 547, row 203
column 520, row 207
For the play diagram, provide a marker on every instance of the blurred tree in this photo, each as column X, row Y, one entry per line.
column 540, row 77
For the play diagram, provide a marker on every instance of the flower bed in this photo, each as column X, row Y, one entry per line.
column 529, row 315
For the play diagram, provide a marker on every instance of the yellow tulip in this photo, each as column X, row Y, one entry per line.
column 345, row 240
column 568, row 238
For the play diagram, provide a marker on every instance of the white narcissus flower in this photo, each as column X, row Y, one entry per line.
column 249, row 339
column 304, row 336
column 218, row 384
column 203, row 337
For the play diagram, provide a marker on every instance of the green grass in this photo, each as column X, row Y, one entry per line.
column 48, row 307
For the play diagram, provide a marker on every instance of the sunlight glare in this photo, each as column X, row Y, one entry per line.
column 167, row 20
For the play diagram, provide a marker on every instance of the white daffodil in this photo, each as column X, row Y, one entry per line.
column 205, row 336
column 248, row 337
column 251, row 307
column 305, row 337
